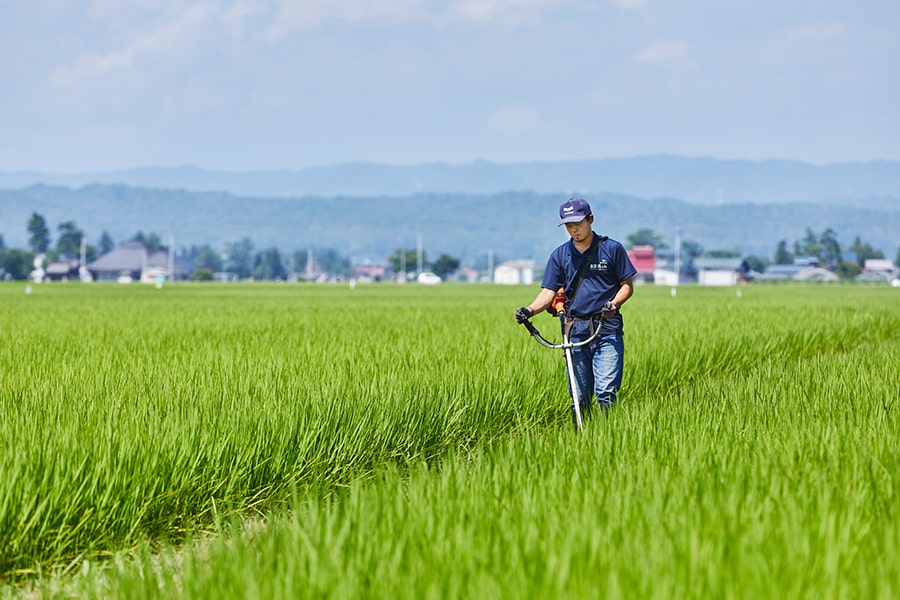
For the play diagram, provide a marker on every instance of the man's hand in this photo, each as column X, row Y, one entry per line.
column 523, row 313
column 609, row 310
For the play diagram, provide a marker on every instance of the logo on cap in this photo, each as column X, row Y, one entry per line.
column 573, row 210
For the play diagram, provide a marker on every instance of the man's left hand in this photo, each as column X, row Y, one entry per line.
column 523, row 313
column 609, row 310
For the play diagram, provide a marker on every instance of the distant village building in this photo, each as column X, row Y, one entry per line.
column 816, row 274
column 515, row 272
column 62, row 270
column 644, row 260
column 370, row 272
column 719, row 271
column 801, row 269
column 132, row 261
column 781, row 271
column 468, row 275
column 880, row 267
column 672, row 270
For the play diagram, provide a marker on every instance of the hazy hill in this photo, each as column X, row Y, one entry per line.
column 697, row 180
column 468, row 226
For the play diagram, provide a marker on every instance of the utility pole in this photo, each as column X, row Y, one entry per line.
column 677, row 254
column 491, row 265
column 171, row 265
column 402, row 263
column 419, row 250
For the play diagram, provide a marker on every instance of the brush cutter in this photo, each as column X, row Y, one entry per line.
column 559, row 307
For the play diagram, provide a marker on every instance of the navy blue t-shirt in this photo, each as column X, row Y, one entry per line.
column 607, row 270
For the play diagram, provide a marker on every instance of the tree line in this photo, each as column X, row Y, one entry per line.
column 240, row 259
column 823, row 247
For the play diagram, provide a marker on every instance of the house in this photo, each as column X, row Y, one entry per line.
column 515, row 272
column 372, row 272
column 671, row 269
column 816, row 274
column 644, row 260
column 62, row 270
column 468, row 274
column 132, row 261
column 803, row 268
column 806, row 261
column 875, row 267
column 781, row 271
column 719, row 271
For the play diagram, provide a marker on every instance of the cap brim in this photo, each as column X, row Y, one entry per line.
column 571, row 220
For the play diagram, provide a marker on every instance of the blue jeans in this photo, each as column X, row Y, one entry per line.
column 598, row 371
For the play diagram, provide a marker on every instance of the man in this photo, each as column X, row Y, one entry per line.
column 605, row 285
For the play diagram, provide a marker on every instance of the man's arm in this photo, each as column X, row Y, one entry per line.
column 626, row 289
column 542, row 301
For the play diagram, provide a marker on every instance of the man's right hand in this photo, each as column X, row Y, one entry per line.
column 523, row 313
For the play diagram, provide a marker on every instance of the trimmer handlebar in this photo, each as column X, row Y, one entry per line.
column 565, row 343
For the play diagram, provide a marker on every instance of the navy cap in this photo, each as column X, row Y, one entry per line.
column 573, row 210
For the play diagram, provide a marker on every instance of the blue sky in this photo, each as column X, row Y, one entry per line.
column 270, row 84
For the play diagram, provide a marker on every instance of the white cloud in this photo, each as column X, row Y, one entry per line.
column 663, row 50
column 627, row 4
column 821, row 32
column 240, row 11
column 164, row 38
column 515, row 119
column 489, row 10
column 291, row 15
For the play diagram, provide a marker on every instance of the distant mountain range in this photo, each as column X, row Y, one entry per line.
column 367, row 210
column 697, row 180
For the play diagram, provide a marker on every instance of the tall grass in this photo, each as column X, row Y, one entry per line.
column 754, row 451
column 131, row 413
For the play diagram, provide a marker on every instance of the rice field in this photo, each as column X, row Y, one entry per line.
column 281, row 441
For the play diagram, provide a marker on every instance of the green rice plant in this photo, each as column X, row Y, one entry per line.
column 425, row 448
column 132, row 412
column 727, row 490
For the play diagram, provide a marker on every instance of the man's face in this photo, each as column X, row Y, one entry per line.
column 581, row 230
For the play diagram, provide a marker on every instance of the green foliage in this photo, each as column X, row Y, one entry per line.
column 39, row 240
column 151, row 241
column 106, row 243
column 646, row 237
column 346, row 443
column 202, row 274
column 827, row 249
column 324, row 261
column 206, row 258
column 782, row 256
column 722, row 254
column 691, row 248
column 405, row 260
column 757, row 263
column 864, row 251
column 444, row 266
column 847, row 269
column 809, row 246
column 16, row 263
column 68, row 244
column 268, row 265
column 239, row 257
column 831, row 249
